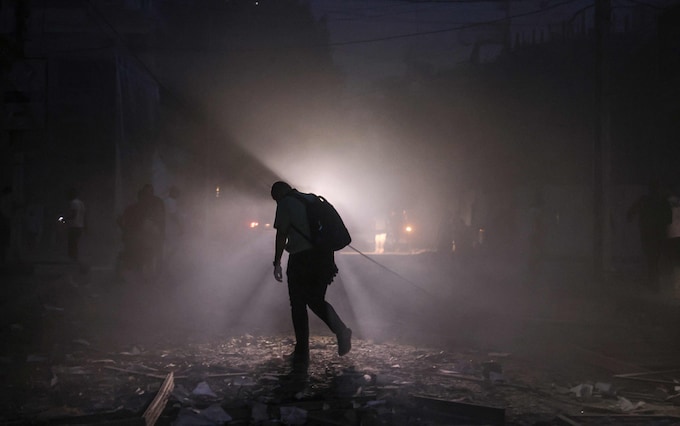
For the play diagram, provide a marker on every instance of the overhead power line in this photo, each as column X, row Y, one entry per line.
column 642, row 3
column 450, row 29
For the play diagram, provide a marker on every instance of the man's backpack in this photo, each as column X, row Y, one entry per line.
column 328, row 231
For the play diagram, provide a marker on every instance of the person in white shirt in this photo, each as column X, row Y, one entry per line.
column 309, row 272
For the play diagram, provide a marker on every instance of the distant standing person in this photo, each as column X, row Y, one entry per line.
column 153, row 211
column 309, row 272
column 174, row 224
column 654, row 215
column 76, row 222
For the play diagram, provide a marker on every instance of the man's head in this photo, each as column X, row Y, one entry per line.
column 280, row 189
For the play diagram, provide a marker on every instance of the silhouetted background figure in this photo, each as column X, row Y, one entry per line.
column 136, row 253
column 380, row 234
column 396, row 226
column 309, row 272
column 445, row 235
column 654, row 215
column 174, row 224
column 154, row 225
column 462, row 238
column 76, row 223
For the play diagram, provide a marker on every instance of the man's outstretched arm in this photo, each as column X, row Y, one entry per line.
column 278, row 252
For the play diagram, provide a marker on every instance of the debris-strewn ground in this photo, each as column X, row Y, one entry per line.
column 79, row 350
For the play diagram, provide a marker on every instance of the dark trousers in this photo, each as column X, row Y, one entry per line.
column 309, row 274
column 73, row 237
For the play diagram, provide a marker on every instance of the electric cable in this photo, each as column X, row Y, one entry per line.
column 452, row 29
column 403, row 278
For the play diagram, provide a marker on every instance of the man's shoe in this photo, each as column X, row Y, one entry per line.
column 344, row 341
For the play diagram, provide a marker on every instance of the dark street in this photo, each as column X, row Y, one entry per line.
column 88, row 348
column 339, row 212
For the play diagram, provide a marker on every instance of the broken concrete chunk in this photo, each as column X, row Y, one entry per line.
column 584, row 390
column 203, row 389
column 216, row 414
column 627, row 406
column 605, row 389
column 293, row 415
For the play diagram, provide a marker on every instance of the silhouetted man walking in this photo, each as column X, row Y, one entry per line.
column 309, row 273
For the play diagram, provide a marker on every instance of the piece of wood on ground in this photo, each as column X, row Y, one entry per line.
column 649, row 376
column 129, row 371
column 648, row 380
column 649, row 373
column 458, row 376
column 462, row 410
column 606, row 362
column 567, row 421
column 154, row 410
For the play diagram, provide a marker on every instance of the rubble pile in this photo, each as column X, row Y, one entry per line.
column 59, row 365
column 248, row 380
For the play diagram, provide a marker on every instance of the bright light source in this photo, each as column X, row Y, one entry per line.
column 408, row 229
column 254, row 224
column 217, row 192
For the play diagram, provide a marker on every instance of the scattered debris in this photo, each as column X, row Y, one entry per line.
column 156, row 407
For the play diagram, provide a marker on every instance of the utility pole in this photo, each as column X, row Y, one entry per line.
column 602, row 146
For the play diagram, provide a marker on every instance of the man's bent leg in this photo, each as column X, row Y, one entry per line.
column 325, row 311
column 298, row 309
column 327, row 314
